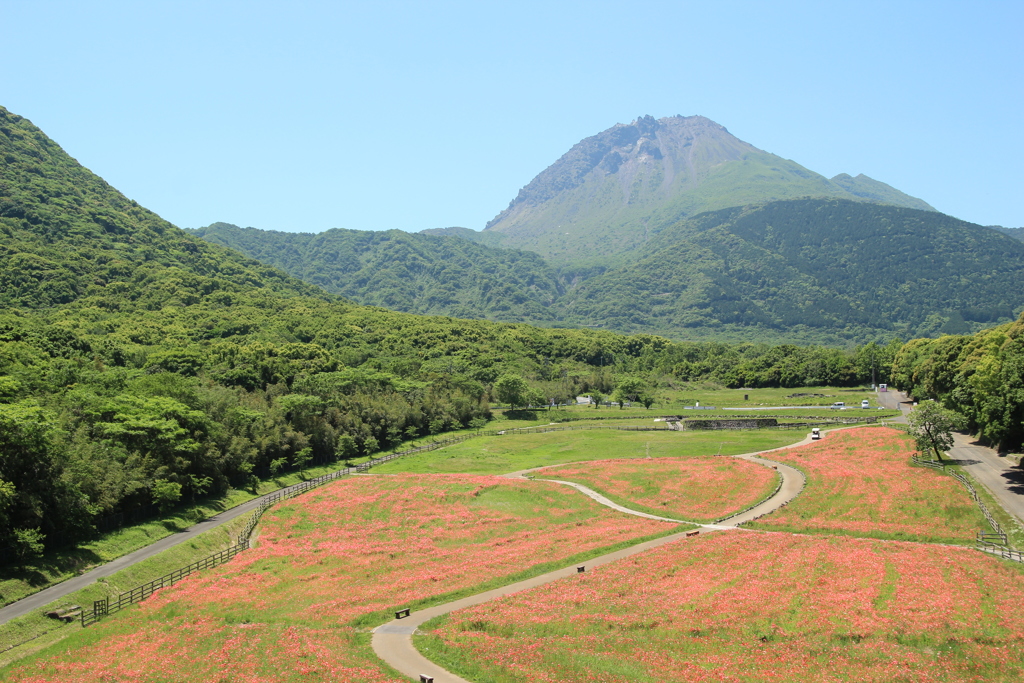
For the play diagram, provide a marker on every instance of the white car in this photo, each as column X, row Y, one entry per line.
column 838, row 405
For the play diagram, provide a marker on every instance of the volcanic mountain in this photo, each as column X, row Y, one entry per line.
column 613, row 191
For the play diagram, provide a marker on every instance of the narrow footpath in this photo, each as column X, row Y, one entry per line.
column 392, row 642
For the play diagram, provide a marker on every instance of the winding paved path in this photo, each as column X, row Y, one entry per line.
column 392, row 642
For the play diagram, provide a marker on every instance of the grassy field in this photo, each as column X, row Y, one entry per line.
column 861, row 483
column 333, row 562
column 699, row 488
column 818, row 606
column 742, row 398
column 752, row 607
column 513, row 452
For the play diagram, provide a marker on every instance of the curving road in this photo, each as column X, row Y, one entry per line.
column 392, row 642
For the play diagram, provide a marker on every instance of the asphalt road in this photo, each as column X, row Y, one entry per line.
column 1003, row 480
column 58, row 591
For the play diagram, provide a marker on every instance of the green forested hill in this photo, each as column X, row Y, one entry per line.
column 980, row 376
column 140, row 366
column 813, row 270
column 1015, row 233
column 407, row 272
column 808, row 271
column 68, row 236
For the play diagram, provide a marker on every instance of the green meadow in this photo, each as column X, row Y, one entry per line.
column 524, row 450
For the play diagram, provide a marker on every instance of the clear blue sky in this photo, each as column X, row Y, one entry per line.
column 304, row 116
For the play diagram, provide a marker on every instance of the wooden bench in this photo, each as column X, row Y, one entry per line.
column 692, row 533
column 402, row 613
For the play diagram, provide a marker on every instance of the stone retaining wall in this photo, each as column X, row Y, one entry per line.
column 745, row 423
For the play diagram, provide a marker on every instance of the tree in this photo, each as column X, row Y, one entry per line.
column 629, row 389
column 932, row 427
column 596, row 397
column 166, row 494
column 511, row 389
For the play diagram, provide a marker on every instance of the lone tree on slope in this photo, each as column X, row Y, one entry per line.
column 512, row 389
column 932, row 427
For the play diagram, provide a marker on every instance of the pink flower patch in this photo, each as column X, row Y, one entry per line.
column 699, row 488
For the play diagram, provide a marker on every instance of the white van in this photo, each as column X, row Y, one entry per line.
column 839, row 405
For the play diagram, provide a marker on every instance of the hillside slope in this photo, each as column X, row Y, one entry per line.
column 406, row 272
column 69, row 236
column 613, row 191
column 141, row 367
column 811, row 270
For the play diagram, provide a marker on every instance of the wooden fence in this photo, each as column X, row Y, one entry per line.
column 110, row 605
column 984, row 540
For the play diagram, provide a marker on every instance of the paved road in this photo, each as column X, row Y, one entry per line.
column 1003, row 480
column 392, row 641
column 58, row 591
column 895, row 400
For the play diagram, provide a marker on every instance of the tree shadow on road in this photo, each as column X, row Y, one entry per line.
column 1015, row 479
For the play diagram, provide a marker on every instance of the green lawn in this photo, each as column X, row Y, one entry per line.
column 513, row 452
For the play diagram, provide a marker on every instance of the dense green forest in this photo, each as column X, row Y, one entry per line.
column 980, row 376
column 407, row 272
column 141, row 367
column 811, row 271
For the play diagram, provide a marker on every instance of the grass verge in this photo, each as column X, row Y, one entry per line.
column 59, row 565
column 28, row 634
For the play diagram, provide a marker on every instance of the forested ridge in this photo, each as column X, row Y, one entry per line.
column 827, row 271
column 815, row 270
column 407, row 272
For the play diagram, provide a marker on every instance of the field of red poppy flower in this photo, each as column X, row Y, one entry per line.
column 700, row 489
column 328, row 564
column 740, row 606
column 860, row 483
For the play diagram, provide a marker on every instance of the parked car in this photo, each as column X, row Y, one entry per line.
column 865, row 404
column 838, row 405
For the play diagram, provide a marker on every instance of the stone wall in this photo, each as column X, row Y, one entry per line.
column 745, row 423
